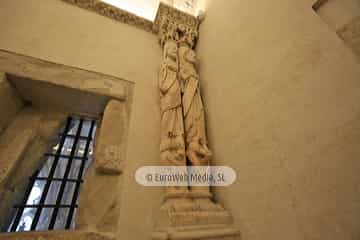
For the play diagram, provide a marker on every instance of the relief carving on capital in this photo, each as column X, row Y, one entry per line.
column 113, row 12
column 172, row 24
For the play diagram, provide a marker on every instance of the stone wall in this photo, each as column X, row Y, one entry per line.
column 338, row 13
column 10, row 102
column 282, row 101
column 59, row 32
column 343, row 16
column 350, row 33
column 22, row 145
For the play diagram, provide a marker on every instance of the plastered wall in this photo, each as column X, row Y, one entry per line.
column 59, row 32
column 282, row 95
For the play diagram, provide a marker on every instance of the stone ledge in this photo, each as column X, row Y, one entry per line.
column 192, row 218
column 206, row 233
column 61, row 75
column 56, row 235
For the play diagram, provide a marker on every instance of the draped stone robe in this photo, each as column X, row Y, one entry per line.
column 193, row 109
column 172, row 147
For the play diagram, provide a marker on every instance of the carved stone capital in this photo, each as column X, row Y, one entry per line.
column 113, row 12
column 172, row 24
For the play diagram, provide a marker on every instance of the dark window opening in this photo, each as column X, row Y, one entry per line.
column 51, row 197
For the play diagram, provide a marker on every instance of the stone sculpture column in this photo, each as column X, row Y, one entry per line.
column 172, row 145
column 197, row 151
column 187, row 212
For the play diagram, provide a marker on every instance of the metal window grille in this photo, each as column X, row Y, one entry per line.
column 51, row 197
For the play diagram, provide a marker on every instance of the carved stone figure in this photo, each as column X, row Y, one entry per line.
column 193, row 109
column 172, row 147
column 196, row 147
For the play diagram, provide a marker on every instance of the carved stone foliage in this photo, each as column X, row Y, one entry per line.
column 114, row 13
column 172, row 24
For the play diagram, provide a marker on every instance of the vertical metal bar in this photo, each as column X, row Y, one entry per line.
column 79, row 177
column 24, row 200
column 66, row 175
column 51, row 174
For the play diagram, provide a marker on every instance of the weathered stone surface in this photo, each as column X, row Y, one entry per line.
column 10, row 102
column 22, row 146
column 12, row 149
column 110, row 147
column 99, row 202
column 205, row 232
column 70, row 77
column 59, row 97
column 168, row 218
column 56, row 235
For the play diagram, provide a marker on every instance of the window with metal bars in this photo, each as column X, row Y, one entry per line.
column 51, row 197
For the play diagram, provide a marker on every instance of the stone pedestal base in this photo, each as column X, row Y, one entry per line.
column 167, row 219
column 194, row 223
column 206, row 232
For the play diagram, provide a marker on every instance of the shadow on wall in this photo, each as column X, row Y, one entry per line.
column 343, row 16
column 55, row 97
